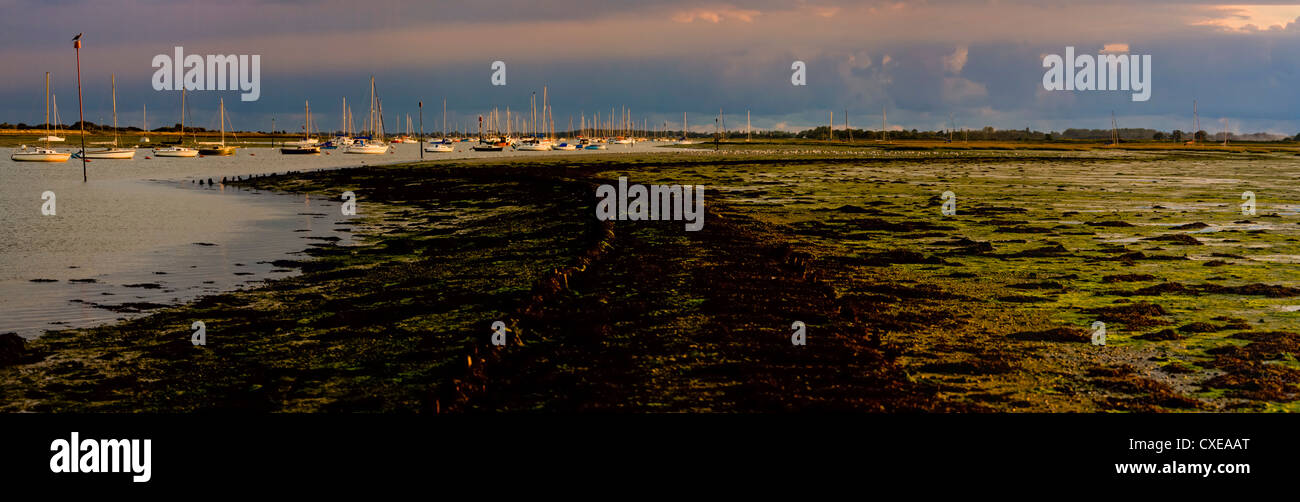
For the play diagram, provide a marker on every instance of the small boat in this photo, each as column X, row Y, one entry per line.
column 489, row 147
column 46, row 154
column 367, row 145
column 683, row 140
column 565, row 146
column 307, row 145
column 409, row 137
column 300, row 150
column 440, row 147
column 533, row 145
column 38, row 154
column 443, row 145
column 145, row 139
column 177, row 150
column 219, row 149
column 360, row 146
column 58, row 124
column 113, row 153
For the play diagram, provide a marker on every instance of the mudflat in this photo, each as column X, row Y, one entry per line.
column 992, row 307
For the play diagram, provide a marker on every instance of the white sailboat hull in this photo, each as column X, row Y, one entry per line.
column 440, row 147
column 367, row 149
column 533, row 147
column 112, row 154
column 176, row 152
column 39, row 155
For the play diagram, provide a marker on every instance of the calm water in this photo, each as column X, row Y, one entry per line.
column 142, row 233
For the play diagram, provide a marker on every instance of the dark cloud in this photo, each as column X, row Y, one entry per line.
column 596, row 55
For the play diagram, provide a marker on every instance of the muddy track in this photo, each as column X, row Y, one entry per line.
column 666, row 320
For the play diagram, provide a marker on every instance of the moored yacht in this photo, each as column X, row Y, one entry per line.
column 38, row 154
column 367, row 145
column 177, row 150
column 115, row 152
column 45, row 154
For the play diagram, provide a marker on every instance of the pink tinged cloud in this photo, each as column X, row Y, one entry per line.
column 957, row 60
column 717, row 14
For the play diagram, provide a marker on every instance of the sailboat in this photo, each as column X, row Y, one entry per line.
column 219, row 148
column 534, row 144
column 58, row 123
column 374, row 145
column 177, row 150
column 145, row 139
column 442, row 146
column 344, row 138
column 564, row 144
column 46, row 154
column 114, row 153
column 684, row 141
column 486, row 144
column 302, row 147
column 624, row 137
column 409, row 137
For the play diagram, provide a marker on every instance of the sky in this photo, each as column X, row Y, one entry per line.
column 972, row 63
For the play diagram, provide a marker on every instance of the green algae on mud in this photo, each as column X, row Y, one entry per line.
column 985, row 310
column 1078, row 221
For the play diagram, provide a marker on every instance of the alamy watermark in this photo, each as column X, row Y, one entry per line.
column 103, row 455
column 211, row 73
column 658, row 202
column 1105, row 72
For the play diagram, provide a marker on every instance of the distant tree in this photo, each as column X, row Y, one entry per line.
column 1177, row 135
column 1047, row 137
column 1200, row 135
column 1297, row 137
column 1158, row 136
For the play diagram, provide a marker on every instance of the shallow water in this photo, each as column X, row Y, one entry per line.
column 144, row 230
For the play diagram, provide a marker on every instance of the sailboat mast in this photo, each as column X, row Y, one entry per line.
column 221, row 104
column 113, row 79
column 47, row 109
column 1196, row 121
